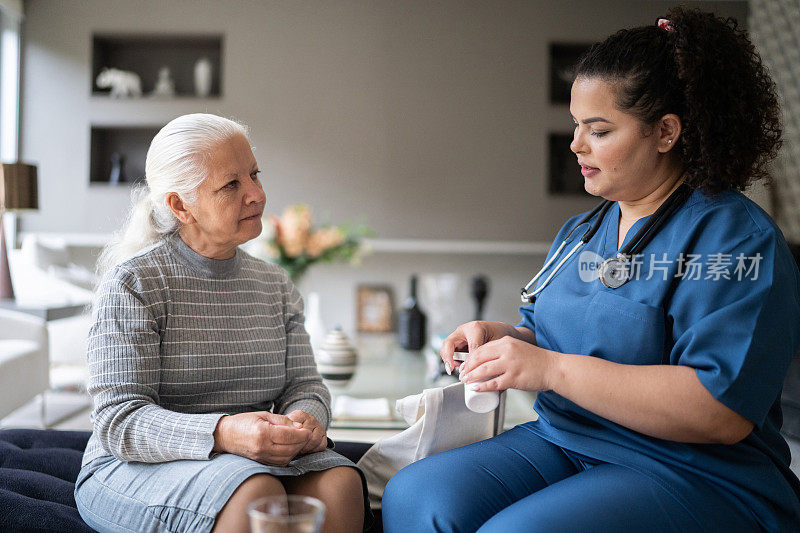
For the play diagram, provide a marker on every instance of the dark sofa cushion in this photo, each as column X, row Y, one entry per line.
column 55, row 453
column 38, row 469
column 37, row 479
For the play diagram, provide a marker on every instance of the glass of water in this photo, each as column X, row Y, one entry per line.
column 286, row 514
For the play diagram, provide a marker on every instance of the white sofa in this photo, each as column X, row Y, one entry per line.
column 58, row 269
column 24, row 360
column 52, row 266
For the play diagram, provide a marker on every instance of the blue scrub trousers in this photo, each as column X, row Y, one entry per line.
column 519, row 481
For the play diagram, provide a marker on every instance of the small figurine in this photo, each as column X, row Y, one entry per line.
column 164, row 85
column 122, row 82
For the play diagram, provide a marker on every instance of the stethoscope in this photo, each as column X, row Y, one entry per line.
column 614, row 272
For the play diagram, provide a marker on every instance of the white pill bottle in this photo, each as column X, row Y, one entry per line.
column 478, row 402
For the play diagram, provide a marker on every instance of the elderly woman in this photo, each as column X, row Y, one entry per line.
column 659, row 373
column 205, row 391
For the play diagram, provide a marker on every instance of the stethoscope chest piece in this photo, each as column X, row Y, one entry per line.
column 614, row 272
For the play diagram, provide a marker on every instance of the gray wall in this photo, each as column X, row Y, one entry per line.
column 424, row 119
column 430, row 118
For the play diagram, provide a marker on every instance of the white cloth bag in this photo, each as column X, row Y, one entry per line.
column 439, row 421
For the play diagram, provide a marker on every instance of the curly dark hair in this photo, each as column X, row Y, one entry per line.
column 705, row 70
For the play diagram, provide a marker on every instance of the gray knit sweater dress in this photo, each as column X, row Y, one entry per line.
column 178, row 341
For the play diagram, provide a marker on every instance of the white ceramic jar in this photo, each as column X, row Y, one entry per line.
column 336, row 358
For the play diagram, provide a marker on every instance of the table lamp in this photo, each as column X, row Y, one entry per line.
column 18, row 190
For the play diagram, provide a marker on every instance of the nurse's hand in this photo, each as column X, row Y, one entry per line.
column 318, row 441
column 509, row 363
column 262, row 436
column 470, row 336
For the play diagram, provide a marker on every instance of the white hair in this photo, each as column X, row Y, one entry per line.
column 177, row 161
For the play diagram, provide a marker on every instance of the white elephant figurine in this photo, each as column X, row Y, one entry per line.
column 122, row 82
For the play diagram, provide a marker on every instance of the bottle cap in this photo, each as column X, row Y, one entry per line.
column 460, row 356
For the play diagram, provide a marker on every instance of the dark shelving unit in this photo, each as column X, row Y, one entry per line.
column 145, row 54
column 564, row 175
column 131, row 142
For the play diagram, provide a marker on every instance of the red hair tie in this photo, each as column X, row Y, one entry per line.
column 665, row 25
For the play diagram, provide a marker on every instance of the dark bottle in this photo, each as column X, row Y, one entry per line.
column 480, row 289
column 117, row 175
column 411, row 321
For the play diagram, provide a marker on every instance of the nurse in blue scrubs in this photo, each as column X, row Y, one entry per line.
column 658, row 373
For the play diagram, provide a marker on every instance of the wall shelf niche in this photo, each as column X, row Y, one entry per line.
column 564, row 178
column 112, row 142
column 146, row 54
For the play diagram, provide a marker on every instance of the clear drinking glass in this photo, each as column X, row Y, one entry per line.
column 286, row 514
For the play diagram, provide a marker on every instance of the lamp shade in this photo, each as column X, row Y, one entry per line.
column 18, row 187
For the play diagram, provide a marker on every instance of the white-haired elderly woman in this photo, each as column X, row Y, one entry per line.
column 205, row 391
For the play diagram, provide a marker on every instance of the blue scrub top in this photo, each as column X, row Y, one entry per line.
column 718, row 290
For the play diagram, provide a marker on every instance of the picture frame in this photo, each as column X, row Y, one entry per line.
column 374, row 308
column 563, row 59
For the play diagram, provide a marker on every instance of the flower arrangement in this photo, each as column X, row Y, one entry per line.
column 292, row 242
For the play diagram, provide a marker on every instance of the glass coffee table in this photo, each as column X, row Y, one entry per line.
column 385, row 371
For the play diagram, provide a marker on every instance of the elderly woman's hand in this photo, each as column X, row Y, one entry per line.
column 261, row 436
column 318, row 441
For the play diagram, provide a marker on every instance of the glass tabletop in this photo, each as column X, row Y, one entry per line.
column 387, row 371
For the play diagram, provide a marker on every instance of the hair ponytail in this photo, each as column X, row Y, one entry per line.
column 705, row 70
column 176, row 162
column 139, row 231
column 732, row 119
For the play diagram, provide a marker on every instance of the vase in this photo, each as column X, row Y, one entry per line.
column 202, row 77
column 336, row 359
column 315, row 327
column 117, row 174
